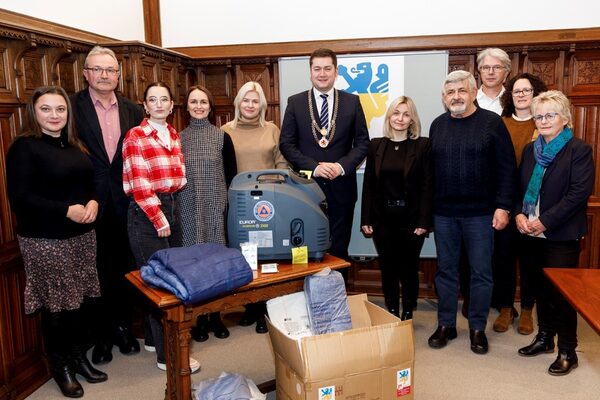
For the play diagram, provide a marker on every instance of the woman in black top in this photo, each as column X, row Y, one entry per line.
column 396, row 203
column 51, row 190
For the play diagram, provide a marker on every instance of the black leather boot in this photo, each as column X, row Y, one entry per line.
column 82, row 366
column 393, row 306
column 564, row 363
column 200, row 331
column 216, row 325
column 542, row 343
column 66, row 381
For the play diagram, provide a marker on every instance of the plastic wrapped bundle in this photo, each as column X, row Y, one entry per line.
column 327, row 303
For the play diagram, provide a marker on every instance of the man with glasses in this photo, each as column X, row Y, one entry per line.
column 102, row 118
column 494, row 66
column 474, row 168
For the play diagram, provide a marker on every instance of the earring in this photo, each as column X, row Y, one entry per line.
column 171, row 111
column 147, row 112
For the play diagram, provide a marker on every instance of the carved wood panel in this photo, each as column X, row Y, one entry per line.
column 9, row 125
column 585, row 73
column 217, row 79
column 32, row 73
column 586, row 126
column 547, row 65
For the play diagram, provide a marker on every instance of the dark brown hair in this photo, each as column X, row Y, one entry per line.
column 31, row 127
column 508, row 106
column 158, row 84
column 323, row 53
column 211, row 100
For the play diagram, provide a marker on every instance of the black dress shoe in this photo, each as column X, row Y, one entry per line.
column 564, row 363
column 125, row 341
column 441, row 336
column 479, row 342
column 102, row 353
column 248, row 318
column 82, row 366
column 66, row 381
column 406, row 315
column 261, row 325
column 217, row 326
column 200, row 331
column 542, row 343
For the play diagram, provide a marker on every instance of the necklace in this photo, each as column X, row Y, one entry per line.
column 326, row 133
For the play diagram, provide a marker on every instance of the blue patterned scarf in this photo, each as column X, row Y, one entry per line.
column 544, row 154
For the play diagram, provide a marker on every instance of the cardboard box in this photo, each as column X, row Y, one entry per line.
column 372, row 361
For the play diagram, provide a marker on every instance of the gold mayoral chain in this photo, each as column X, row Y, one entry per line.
column 326, row 133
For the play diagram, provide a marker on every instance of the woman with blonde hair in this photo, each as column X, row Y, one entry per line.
column 397, row 202
column 256, row 143
column 556, row 180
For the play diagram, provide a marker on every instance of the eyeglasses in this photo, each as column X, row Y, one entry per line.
column 522, row 92
column 549, row 117
column 488, row 68
column 155, row 100
column 99, row 71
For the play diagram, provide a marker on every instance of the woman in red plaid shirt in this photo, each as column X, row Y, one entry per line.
column 153, row 174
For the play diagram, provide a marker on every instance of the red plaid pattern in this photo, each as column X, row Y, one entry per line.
column 150, row 168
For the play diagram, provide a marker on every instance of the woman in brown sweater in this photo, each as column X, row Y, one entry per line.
column 516, row 114
column 256, row 143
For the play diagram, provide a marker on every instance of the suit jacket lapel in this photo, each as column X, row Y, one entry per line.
column 379, row 153
column 410, row 156
column 315, row 115
column 89, row 111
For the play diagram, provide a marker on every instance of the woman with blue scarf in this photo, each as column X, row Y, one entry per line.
column 556, row 179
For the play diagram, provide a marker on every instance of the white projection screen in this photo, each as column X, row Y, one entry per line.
column 377, row 79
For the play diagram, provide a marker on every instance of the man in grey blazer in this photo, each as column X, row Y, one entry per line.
column 324, row 131
column 102, row 118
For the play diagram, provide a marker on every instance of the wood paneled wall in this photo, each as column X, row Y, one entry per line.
column 35, row 52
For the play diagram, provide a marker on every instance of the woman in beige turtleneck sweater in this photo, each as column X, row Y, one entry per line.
column 255, row 140
column 256, row 144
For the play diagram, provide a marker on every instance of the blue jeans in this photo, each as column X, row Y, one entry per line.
column 478, row 236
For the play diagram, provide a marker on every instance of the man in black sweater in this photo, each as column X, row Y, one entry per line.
column 474, row 173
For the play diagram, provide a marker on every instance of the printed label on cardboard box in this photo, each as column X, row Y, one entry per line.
column 403, row 386
column 327, row 393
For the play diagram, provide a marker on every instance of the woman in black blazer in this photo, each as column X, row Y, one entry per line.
column 396, row 202
column 557, row 176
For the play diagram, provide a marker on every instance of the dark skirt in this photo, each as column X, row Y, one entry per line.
column 59, row 272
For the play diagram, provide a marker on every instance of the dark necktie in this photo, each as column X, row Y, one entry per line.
column 324, row 116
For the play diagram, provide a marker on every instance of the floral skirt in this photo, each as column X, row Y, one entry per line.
column 59, row 272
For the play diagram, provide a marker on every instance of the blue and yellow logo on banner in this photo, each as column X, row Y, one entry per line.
column 370, row 81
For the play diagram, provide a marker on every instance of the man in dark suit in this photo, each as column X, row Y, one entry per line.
column 102, row 118
column 324, row 131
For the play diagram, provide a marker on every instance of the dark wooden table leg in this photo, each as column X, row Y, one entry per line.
column 177, row 328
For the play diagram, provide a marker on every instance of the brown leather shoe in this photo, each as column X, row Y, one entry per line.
column 504, row 320
column 526, row 322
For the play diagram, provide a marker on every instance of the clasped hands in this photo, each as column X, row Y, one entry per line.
column 83, row 214
column 527, row 227
column 328, row 170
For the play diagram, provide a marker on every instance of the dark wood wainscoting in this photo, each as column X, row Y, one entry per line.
column 35, row 52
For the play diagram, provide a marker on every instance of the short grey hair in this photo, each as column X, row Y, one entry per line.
column 495, row 52
column 459, row 76
column 99, row 50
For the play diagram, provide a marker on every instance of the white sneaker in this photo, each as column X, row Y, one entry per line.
column 149, row 348
column 194, row 365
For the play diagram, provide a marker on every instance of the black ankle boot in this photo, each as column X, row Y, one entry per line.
column 217, row 326
column 66, row 381
column 564, row 363
column 543, row 343
column 200, row 331
column 406, row 315
column 82, row 366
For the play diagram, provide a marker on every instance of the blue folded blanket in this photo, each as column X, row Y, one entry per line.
column 327, row 303
column 197, row 273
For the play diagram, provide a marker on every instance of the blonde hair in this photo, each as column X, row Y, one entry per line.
column 237, row 102
column 414, row 129
column 556, row 98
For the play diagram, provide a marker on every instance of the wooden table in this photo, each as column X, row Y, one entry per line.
column 178, row 318
column 581, row 287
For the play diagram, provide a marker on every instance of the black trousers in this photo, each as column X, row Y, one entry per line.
column 555, row 314
column 114, row 260
column 399, row 250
